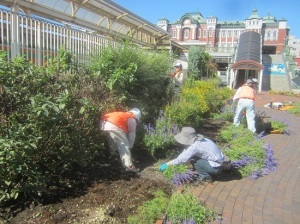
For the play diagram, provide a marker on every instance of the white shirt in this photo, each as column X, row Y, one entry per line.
column 204, row 149
column 178, row 79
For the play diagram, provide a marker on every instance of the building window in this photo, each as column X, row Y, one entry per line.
column 199, row 33
column 210, row 32
column 229, row 33
column 235, row 33
column 204, row 33
column 174, row 33
column 186, row 33
column 275, row 34
column 223, row 33
column 269, row 35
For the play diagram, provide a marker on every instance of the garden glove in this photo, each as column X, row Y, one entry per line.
column 163, row 167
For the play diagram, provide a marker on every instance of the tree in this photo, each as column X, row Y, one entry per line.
column 201, row 63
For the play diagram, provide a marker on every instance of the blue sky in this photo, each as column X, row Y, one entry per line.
column 152, row 10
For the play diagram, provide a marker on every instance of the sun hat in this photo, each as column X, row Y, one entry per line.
column 249, row 81
column 187, row 136
column 177, row 65
column 137, row 113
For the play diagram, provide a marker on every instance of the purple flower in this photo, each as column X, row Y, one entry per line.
column 242, row 162
column 180, row 178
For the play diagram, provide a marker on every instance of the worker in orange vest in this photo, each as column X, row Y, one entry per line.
column 121, row 127
column 245, row 96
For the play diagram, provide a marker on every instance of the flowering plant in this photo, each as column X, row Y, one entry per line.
column 279, row 125
column 161, row 136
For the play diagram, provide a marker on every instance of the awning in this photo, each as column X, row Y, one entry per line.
column 248, row 52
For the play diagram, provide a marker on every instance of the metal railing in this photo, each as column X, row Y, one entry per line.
column 38, row 39
column 290, row 65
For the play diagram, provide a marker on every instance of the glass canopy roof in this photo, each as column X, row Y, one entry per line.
column 101, row 16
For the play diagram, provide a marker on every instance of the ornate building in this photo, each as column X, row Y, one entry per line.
column 192, row 29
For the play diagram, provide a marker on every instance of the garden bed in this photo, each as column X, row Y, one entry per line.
column 102, row 194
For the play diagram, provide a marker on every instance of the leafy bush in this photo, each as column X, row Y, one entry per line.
column 197, row 100
column 295, row 110
column 186, row 208
column 180, row 208
column 138, row 77
column 48, row 125
column 49, row 116
column 151, row 210
column 279, row 125
column 200, row 63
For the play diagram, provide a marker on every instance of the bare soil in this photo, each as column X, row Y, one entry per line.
column 103, row 193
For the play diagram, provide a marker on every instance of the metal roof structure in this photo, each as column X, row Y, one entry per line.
column 248, row 56
column 101, row 16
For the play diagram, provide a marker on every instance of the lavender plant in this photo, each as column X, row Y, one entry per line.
column 161, row 136
column 269, row 164
column 180, row 178
column 248, row 153
column 186, row 208
column 180, row 208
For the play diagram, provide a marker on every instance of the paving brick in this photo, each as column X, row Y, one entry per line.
column 271, row 199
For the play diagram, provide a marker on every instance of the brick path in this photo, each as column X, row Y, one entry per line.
column 272, row 199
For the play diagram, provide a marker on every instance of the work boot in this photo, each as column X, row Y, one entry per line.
column 132, row 169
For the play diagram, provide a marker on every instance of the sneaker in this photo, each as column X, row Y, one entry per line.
column 207, row 179
column 132, row 169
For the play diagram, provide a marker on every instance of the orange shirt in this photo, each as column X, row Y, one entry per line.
column 119, row 119
column 247, row 92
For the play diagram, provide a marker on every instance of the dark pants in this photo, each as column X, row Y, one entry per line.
column 205, row 170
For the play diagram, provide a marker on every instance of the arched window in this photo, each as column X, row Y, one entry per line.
column 186, row 33
column 174, row 33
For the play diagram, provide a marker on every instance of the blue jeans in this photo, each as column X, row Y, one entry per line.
column 205, row 170
column 248, row 106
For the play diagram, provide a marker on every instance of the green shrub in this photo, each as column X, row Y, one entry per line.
column 49, row 116
column 295, row 110
column 197, row 100
column 139, row 78
column 151, row 210
column 279, row 125
column 184, row 208
column 180, row 208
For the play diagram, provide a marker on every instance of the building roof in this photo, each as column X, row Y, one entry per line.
column 231, row 24
column 195, row 17
column 102, row 16
column 254, row 14
column 248, row 54
column 269, row 19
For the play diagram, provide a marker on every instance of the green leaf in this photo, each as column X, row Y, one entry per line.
column 82, row 109
column 62, row 106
